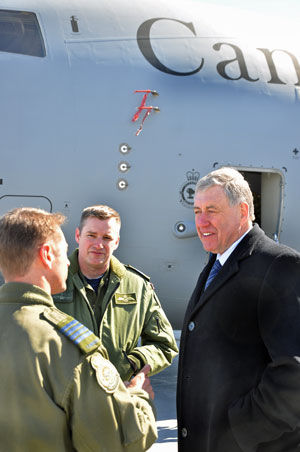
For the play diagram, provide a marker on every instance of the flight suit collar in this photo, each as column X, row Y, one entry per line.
column 115, row 265
column 16, row 292
column 74, row 265
column 111, row 280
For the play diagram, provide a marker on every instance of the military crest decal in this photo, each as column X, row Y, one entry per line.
column 187, row 190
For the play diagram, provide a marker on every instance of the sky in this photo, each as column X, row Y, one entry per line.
column 285, row 7
column 283, row 15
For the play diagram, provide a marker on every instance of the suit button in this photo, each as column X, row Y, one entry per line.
column 184, row 432
column 191, row 326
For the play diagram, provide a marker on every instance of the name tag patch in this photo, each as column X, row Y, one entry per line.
column 125, row 298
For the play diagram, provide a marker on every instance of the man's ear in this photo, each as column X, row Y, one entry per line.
column 244, row 212
column 46, row 255
column 77, row 235
column 117, row 243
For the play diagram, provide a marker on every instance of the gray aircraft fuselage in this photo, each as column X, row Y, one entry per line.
column 82, row 124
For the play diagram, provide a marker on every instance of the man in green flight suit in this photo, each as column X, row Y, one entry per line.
column 115, row 301
column 58, row 391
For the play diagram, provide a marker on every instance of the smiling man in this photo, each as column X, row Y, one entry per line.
column 219, row 224
column 239, row 373
column 116, row 301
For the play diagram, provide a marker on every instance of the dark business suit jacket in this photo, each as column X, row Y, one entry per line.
column 239, row 366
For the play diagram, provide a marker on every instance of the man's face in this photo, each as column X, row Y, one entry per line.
column 59, row 271
column 97, row 241
column 218, row 223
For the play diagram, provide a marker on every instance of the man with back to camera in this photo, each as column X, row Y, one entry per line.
column 239, row 365
column 58, row 391
column 115, row 301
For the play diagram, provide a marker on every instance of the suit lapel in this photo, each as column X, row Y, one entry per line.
column 230, row 268
column 200, row 284
column 223, row 276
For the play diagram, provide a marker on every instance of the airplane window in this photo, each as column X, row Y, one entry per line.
column 20, row 33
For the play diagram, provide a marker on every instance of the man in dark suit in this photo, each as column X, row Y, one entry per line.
column 239, row 366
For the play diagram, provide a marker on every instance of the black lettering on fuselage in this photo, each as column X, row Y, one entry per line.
column 274, row 76
column 240, row 61
column 144, row 43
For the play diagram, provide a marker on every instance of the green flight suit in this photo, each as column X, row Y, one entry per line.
column 58, row 392
column 126, row 308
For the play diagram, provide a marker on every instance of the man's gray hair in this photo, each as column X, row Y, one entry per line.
column 236, row 188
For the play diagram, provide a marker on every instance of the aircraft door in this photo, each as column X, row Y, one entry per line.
column 8, row 202
column 267, row 188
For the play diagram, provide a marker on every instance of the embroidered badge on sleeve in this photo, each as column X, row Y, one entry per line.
column 106, row 374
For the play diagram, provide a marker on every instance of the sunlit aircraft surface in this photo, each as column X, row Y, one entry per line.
column 129, row 103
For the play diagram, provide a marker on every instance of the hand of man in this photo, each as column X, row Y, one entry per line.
column 141, row 381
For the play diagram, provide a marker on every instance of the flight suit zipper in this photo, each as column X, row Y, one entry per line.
column 158, row 324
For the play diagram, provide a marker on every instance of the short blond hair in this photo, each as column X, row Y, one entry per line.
column 101, row 212
column 22, row 231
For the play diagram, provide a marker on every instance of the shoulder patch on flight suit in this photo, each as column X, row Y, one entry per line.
column 107, row 375
column 79, row 334
column 125, row 298
column 138, row 272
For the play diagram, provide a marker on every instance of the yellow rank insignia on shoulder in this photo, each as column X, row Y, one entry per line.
column 73, row 330
column 107, row 375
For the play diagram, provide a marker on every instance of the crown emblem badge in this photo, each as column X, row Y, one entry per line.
column 193, row 175
column 187, row 190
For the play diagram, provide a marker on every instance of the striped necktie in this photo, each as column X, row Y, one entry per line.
column 213, row 272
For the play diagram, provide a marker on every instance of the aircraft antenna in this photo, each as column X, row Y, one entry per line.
column 143, row 106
